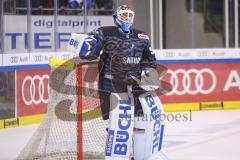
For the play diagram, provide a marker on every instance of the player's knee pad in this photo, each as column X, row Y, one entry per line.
column 149, row 129
column 119, row 141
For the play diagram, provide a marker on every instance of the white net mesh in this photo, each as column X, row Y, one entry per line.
column 63, row 135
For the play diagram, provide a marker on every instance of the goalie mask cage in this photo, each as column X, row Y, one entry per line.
column 75, row 132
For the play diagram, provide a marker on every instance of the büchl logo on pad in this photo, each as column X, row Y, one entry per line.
column 124, row 123
column 157, row 127
column 155, row 112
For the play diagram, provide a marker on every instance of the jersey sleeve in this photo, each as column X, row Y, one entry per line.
column 148, row 57
column 95, row 41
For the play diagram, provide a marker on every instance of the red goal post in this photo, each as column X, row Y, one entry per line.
column 73, row 127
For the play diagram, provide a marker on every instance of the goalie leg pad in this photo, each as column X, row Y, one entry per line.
column 119, row 141
column 149, row 129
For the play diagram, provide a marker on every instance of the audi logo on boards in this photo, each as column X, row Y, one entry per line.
column 38, row 58
column 36, row 93
column 203, row 54
column 192, row 81
column 14, row 59
column 169, row 54
column 65, row 57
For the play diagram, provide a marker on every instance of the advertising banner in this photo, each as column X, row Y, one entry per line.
column 197, row 82
column 197, row 54
column 7, row 94
column 33, row 58
column 202, row 82
column 32, row 91
column 42, row 35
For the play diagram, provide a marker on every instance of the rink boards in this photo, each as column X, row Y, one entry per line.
column 203, row 79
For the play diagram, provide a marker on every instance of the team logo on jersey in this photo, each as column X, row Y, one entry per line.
column 131, row 60
column 125, row 60
column 143, row 36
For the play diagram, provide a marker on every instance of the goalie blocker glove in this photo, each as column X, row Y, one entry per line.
column 82, row 45
column 87, row 48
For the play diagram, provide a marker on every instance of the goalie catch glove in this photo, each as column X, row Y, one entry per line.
column 132, row 78
column 149, row 79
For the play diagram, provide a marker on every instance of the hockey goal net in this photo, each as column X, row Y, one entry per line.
column 73, row 127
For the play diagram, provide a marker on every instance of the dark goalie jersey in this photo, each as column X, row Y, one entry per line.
column 121, row 54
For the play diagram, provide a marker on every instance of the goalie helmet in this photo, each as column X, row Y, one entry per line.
column 123, row 17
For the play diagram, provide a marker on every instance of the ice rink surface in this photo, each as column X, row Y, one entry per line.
column 209, row 135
